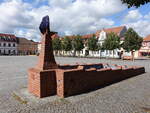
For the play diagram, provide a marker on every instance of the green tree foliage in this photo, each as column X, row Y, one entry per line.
column 56, row 42
column 132, row 41
column 101, row 48
column 92, row 43
column 66, row 44
column 136, row 3
column 77, row 43
column 111, row 42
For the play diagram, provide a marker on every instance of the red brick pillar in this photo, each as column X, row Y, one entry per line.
column 46, row 57
column 42, row 78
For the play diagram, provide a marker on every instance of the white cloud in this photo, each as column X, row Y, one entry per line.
column 140, row 23
column 60, row 3
column 141, row 26
column 30, row 34
column 147, row 16
column 84, row 16
column 67, row 17
column 133, row 15
column 14, row 15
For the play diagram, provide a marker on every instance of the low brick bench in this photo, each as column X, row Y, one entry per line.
column 76, row 81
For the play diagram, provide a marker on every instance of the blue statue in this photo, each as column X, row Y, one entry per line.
column 44, row 26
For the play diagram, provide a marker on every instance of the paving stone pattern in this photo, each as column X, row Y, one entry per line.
column 128, row 96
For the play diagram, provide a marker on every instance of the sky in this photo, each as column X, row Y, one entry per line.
column 71, row 17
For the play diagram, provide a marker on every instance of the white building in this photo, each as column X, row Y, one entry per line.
column 101, row 35
column 8, row 44
column 145, row 49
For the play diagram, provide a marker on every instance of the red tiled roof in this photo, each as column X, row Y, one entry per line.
column 55, row 36
column 87, row 36
column 83, row 36
column 116, row 30
column 147, row 38
column 26, row 41
column 8, row 37
column 71, row 37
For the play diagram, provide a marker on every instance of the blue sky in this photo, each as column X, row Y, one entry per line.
column 68, row 17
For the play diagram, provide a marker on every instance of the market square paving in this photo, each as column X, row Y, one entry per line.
column 128, row 96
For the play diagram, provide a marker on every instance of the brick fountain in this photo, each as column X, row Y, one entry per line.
column 48, row 78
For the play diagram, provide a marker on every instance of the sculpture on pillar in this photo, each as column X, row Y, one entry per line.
column 44, row 26
column 46, row 57
column 42, row 78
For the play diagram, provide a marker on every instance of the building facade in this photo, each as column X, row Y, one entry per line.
column 27, row 47
column 8, row 44
column 101, row 35
column 145, row 49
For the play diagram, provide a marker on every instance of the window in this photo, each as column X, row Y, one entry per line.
column 9, row 45
column 14, row 45
column 14, row 52
column 4, row 44
column 0, row 44
column 102, row 37
column 9, row 51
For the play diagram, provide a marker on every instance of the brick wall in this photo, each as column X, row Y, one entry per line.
column 76, row 81
column 71, row 80
column 42, row 83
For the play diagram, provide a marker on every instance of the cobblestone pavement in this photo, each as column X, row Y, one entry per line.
column 128, row 96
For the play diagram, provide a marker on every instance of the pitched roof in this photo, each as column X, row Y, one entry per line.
column 147, row 38
column 55, row 36
column 87, row 36
column 26, row 41
column 8, row 37
column 82, row 36
column 116, row 30
column 71, row 37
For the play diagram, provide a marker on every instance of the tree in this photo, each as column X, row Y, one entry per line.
column 112, row 42
column 56, row 42
column 136, row 3
column 92, row 43
column 101, row 48
column 132, row 41
column 77, row 44
column 66, row 44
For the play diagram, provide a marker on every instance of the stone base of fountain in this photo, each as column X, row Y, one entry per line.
column 70, row 80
